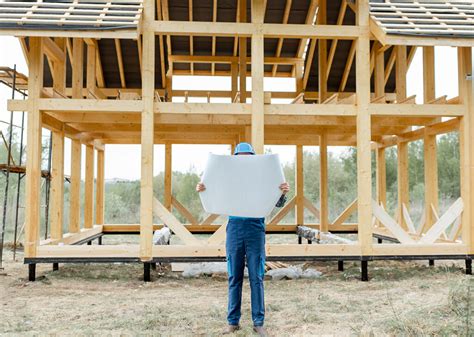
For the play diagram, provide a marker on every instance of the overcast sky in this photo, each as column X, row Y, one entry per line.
column 123, row 161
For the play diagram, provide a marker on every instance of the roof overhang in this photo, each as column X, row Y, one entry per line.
column 423, row 23
column 83, row 18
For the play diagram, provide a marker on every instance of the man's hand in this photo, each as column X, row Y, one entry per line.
column 285, row 187
column 200, row 187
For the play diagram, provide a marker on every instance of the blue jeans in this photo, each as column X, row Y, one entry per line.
column 245, row 239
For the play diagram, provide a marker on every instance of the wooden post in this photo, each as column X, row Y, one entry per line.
column 147, row 133
column 168, row 176
column 466, row 138
column 257, row 80
column 57, row 186
column 381, row 177
column 299, row 182
column 379, row 72
column 429, row 150
column 57, row 160
column 100, row 188
column 235, row 80
column 76, row 150
column 75, row 189
column 323, row 183
column 322, row 55
column 364, row 177
column 402, row 154
column 243, row 55
column 401, row 72
column 402, row 181
column 33, row 161
column 89, row 188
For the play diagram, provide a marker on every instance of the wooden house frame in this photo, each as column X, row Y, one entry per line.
column 363, row 49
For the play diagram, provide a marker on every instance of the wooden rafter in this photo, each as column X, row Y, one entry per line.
column 118, row 49
column 286, row 14
column 332, row 51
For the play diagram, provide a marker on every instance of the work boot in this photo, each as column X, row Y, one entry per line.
column 260, row 330
column 230, row 329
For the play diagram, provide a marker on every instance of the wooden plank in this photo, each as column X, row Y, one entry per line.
column 170, row 220
column 100, row 188
column 75, row 189
column 147, row 200
column 322, row 54
column 453, row 212
column 364, row 177
column 73, row 238
column 379, row 73
column 33, row 161
column 219, row 236
column 118, row 50
column 390, row 224
column 89, row 188
column 323, row 183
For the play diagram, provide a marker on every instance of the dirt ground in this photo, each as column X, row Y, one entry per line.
column 402, row 298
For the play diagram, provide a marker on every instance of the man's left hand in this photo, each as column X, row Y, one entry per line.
column 285, row 187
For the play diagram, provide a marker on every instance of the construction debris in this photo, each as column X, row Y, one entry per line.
column 293, row 272
column 321, row 237
column 162, row 236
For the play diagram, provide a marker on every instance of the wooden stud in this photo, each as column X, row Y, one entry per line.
column 379, row 72
column 364, row 176
column 75, row 189
column 33, row 161
column 100, row 188
column 257, row 81
column 323, row 183
column 57, row 186
column 89, row 188
column 466, row 137
column 77, row 68
column 381, row 177
column 243, row 55
column 147, row 134
column 402, row 180
column 168, row 176
column 299, row 182
column 322, row 54
column 401, row 72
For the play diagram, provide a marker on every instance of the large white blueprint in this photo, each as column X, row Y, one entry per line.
column 244, row 185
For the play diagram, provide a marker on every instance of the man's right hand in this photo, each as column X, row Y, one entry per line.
column 200, row 187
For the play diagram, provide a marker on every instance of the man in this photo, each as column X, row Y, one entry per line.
column 246, row 239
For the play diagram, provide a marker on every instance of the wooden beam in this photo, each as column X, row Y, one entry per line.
column 184, row 211
column 323, row 183
column 100, row 188
column 118, row 50
column 89, row 188
column 33, row 161
column 381, row 177
column 332, row 51
column 379, row 80
column 286, row 14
